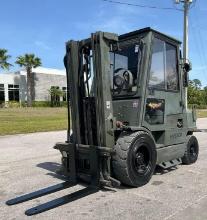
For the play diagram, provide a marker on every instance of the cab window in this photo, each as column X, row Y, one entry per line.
column 164, row 66
column 171, row 67
column 157, row 75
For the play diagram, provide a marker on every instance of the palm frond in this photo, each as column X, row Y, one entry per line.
column 4, row 64
column 28, row 61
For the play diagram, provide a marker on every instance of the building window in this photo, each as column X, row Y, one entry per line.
column 64, row 89
column 13, row 92
column 2, row 94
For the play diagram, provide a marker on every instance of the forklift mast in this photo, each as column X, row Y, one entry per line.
column 88, row 70
column 88, row 76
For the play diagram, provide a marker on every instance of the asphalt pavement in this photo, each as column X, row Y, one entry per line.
column 28, row 162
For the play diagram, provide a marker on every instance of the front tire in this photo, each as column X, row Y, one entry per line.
column 135, row 158
column 192, row 150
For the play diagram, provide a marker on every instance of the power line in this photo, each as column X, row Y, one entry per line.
column 141, row 6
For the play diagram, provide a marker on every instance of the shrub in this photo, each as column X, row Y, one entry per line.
column 48, row 104
column 201, row 106
column 63, row 104
column 41, row 104
column 12, row 104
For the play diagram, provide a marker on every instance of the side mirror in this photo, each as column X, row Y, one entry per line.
column 185, row 79
column 187, row 67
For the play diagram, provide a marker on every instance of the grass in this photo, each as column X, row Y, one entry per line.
column 202, row 113
column 27, row 120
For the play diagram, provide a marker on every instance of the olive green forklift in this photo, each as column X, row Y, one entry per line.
column 126, row 113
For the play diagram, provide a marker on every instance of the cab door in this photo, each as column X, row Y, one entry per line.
column 175, row 121
column 163, row 103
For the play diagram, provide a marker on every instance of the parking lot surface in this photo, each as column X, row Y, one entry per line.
column 28, row 162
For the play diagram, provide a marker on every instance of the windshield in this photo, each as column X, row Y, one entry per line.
column 124, row 70
column 124, row 65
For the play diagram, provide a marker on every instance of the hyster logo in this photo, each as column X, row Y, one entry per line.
column 176, row 135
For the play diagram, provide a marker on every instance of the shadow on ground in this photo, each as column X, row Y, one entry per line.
column 160, row 171
column 52, row 167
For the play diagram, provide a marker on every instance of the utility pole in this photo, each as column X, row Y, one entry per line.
column 186, row 8
column 185, row 31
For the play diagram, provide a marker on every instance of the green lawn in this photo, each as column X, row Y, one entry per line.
column 26, row 120
column 202, row 113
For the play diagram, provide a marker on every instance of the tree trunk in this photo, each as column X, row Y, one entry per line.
column 29, row 87
column 32, row 90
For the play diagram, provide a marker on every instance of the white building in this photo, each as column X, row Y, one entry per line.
column 13, row 85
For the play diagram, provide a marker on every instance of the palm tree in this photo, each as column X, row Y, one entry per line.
column 55, row 94
column 3, row 59
column 29, row 61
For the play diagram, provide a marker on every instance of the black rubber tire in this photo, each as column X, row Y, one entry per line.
column 192, row 150
column 123, row 164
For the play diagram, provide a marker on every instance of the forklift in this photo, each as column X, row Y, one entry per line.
column 126, row 113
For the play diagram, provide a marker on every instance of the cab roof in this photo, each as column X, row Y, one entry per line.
column 145, row 30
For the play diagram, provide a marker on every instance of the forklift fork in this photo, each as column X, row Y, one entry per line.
column 98, row 177
column 40, row 193
column 62, row 200
column 56, row 202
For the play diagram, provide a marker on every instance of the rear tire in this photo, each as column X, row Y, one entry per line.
column 135, row 158
column 192, row 150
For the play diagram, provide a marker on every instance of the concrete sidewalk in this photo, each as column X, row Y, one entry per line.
column 28, row 162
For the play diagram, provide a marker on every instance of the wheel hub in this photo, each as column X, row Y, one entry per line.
column 141, row 160
column 193, row 151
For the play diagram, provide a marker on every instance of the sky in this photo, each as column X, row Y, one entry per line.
column 43, row 26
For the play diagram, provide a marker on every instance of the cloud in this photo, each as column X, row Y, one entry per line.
column 199, row 68
column 42, row 45
column 114, row 18
column 115, row 24
column 130, row 11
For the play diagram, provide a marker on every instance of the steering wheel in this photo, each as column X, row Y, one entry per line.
column 123, row 79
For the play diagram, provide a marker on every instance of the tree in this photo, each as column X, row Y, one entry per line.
column 4, row 64
column 195, row 95
column 196, row 83
column 55, row 94
column 29, row 61
column 205, row 95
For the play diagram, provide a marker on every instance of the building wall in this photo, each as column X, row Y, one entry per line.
column 14, row 79
column 43, row 83
column 43, row 80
